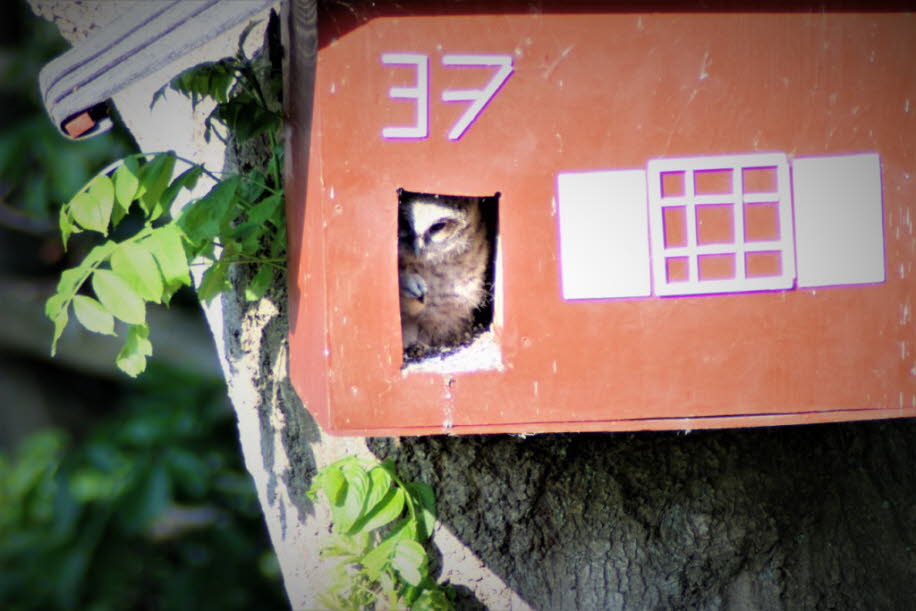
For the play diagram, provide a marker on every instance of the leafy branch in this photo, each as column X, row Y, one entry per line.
column 240, row 221
column 379, row 524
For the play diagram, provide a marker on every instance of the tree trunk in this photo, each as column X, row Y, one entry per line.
column 802, row 517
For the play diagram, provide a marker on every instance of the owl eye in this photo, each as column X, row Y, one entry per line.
column 437, row 227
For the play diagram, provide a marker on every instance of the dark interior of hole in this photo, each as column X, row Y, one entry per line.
column 483, row 314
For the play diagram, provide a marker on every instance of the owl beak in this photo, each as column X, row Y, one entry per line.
column 417, row 246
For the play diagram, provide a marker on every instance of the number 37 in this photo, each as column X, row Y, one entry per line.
column 419, row 92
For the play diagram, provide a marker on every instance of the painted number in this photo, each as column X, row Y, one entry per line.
column 419, row 93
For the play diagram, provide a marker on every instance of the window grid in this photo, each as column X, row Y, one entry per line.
column 739, row 247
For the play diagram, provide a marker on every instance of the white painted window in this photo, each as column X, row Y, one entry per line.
column 604, row 234
column 721, row 224
column 839, row 223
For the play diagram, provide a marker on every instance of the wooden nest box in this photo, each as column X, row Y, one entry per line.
column 703, row 220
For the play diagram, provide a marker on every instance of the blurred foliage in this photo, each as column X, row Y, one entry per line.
column 153, row 510
column 39, row 168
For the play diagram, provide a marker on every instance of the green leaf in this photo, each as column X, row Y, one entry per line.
column 388, row 509
column 423, row 495
column 215, row 281
column 132, row 357
column 357, row 492
column 432, row 600
column 91, row 208
column 210, row 79
column 66, row 227
column 166, row 246
column 136, row 266
column 252, row 187
column 118, row 298
column 95, row 256
column 154, row 178
column 201, row 220
column 248, row 235
column 66, row 288
column 92, row 315
column 331, row 481
column 126, row 183
column 57, row 306
column 375, row 561
column 379, row 486
column 265, row 209
column 186, row 180
column 258, row 285
column 409, row 559
column 56, row 309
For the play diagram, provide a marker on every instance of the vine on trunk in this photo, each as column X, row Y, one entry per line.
column 240, row 221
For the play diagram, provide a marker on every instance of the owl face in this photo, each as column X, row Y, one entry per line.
column 432, row 228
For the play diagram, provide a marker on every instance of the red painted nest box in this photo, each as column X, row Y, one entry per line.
column 702, row 220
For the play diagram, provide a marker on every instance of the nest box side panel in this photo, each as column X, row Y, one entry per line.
column 307, row 280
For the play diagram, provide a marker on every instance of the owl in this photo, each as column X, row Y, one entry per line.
column 444, row 250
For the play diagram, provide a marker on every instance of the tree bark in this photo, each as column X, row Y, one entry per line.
column 800, row 517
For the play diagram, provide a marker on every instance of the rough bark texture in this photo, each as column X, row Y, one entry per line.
column 813, row 517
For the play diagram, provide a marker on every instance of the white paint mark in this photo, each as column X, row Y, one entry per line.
column 906, row 105
column 331, row 193
column 553, row 65
column 704, row 74
column 536, row 389
column 554, row 366
column 447, row 414
column 333, row 88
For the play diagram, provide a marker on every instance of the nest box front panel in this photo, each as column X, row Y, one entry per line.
column 703, row 220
